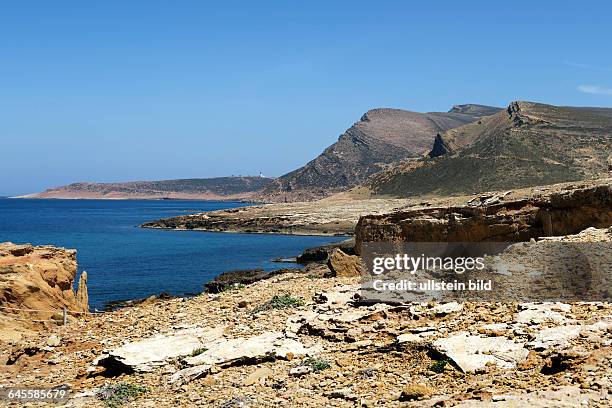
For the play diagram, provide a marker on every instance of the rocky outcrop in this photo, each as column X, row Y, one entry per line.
column 494, row 219
column 528, row 144
column 382, row 136
column 322, row 253
column 342, row 264
column 82, row 294
column 144, row 355
column 325, row 217
column 37, row 283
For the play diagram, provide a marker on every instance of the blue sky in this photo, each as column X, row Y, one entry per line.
column 142, row 90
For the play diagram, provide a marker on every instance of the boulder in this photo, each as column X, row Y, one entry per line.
column 537, row 313
column 144, row 355
column 189, row 374
column 415, row 392
column 342, row 264
column 268, row 345
column 322, row 253
column 257, row 376
column 473, row 353
column 555, row 337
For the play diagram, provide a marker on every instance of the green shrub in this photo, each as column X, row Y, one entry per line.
column 438, row 366
column 316, row 364
column 115, row 395
column 280, row 302
column 198, row 351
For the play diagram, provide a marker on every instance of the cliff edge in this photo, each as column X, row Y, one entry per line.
column 36, row 284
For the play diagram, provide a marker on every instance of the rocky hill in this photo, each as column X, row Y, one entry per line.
column 527, row 144
column 382, row 136
column 220, row 188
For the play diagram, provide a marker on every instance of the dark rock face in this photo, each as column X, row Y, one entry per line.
column 439, row 147
column 382, row 136
column 322, row 253
column 240, row 277
column 563, row 213
column 528, row 144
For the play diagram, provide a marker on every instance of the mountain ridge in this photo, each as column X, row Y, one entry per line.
column 382, row 136
column 526, row 144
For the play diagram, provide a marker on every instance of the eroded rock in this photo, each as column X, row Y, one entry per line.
column 257, row 348
column 344, row 265
column 472, row 353
column 145, row 354
column 189, row 374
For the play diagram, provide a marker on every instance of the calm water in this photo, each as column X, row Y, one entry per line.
column 126, row 262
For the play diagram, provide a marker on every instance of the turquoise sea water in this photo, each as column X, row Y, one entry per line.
column 127, row 262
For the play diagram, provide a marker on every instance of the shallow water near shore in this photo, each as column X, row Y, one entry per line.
column 127, row 262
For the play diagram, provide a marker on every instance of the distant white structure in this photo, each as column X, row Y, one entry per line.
column 261, row 174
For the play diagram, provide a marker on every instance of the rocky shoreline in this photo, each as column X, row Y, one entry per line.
column 339, row 215
column 299, row 338
column 308, row 337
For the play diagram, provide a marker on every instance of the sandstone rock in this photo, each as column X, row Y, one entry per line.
column 256, row 348
column 145, row 354
column 570, row 212
column 54, row 341
column 473, row 353
column 446, row 308
column 564, row 397
column 257, row 376
column 39, row 278
column 339, row 297
column 342, row 264
column 82, row 295
column 414, row 338
column 189, row 374
column 415, row 392
column 342, row 393
column 534, row 313
column 555, row 337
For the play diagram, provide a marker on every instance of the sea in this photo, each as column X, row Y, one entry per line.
column 126, row 262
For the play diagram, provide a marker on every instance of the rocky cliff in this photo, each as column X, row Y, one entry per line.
column 527, row 144
column 36, row 284
column 382, row 136
column 492, row 217
column 220, row 188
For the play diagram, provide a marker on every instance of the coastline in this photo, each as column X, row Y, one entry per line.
column 338, row 215
column 134, row 198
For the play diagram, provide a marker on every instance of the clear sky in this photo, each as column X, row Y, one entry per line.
column 144, row 90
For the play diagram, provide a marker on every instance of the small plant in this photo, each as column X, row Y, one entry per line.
column 198, row 351
column 438, row 366
column 316, row 364
column 232, row 286
column 280, row 302
column 116, row 395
